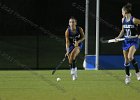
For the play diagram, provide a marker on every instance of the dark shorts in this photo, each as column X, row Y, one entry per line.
column 71, row 47
column 127, row 43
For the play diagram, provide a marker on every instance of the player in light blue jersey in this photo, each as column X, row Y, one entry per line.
column 74, row 36
column 131, row 42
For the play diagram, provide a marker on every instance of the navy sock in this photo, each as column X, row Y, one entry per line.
column 73, row 64
column 127, row 66
column 135, row 64
column 70, row 65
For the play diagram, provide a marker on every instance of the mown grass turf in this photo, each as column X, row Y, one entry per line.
column 91, row 85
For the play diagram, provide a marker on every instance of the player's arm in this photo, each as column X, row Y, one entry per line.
column 82, row 37
column 67, row 41
column 137, row 22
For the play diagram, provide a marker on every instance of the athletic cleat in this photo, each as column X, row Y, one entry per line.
column 74, row 77
column 76, row 72
column 73, row 74
column 72, row 71
column 127, row 79
column 138, row 76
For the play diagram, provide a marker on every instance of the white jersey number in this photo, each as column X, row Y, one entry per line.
column 128, row 32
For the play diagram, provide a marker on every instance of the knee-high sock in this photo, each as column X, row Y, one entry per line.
column 135, row 64
column 127, row 66
column 73, row 64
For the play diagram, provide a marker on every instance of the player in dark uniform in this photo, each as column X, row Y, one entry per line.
column 74, row 36
column 131, row 42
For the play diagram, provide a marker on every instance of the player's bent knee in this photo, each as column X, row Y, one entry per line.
column 77, row 49
column 130, row 58
column 70, row 60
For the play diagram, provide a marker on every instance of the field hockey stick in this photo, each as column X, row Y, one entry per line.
column 112, row 40
column 58, row 65
column 117, row 39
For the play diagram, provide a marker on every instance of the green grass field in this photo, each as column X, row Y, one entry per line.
column 91, row 85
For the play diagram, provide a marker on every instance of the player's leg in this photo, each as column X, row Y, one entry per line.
column 73, row 56
column 71, row 47
column 73, row 72
column 127, row 67
column 131, row 58
column 126, row 62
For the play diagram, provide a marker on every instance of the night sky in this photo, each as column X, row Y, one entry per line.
column 53, row 15
column 24, row 35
